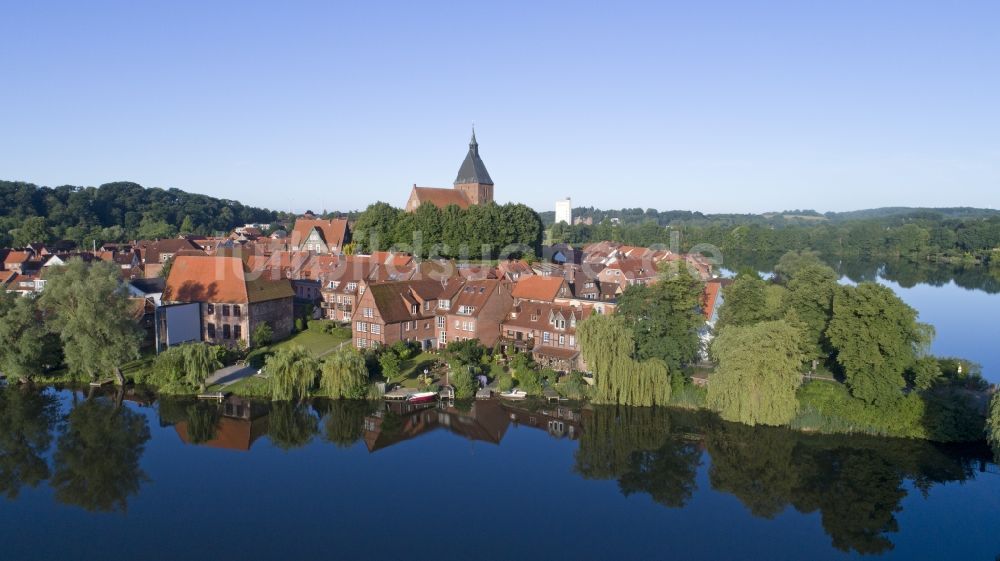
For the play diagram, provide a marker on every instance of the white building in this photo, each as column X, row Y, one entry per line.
column 564, row 211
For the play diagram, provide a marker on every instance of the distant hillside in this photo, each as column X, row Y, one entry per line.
column 114, row 212
column 787, row 217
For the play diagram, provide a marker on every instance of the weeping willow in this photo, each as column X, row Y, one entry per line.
column 345, row 375
column 293, row 373
column 608, row 347
column 199, row 362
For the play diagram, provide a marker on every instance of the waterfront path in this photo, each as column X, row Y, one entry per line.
column 230, row 374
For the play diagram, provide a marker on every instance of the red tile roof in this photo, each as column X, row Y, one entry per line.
column 333, row 232
column 216, row 278
column 440, row 197
column 539, row 288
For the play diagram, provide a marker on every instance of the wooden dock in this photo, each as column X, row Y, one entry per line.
column 215, row 396
column 100, row 383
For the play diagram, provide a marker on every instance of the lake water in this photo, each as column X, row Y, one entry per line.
column 132, row 477
column 89, row 479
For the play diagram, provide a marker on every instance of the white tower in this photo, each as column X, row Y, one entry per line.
column 564, row 211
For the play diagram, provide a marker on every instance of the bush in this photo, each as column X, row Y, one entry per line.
column 461, row 379
column 505, row 382
column 942, row 415
column 262, row 335
column 528, row 381
column 573, row 387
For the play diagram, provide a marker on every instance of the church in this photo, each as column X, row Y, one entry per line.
column 473, row 185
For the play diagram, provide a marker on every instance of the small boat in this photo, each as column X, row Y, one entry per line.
column 421, row 397
column 514, row 394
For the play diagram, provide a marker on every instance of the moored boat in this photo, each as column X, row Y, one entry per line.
column 514, row 394
column 421, row 397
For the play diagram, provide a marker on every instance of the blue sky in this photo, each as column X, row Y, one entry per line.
column 714, row 106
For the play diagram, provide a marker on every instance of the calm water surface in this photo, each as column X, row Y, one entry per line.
column 95, row 479
column 132, row 477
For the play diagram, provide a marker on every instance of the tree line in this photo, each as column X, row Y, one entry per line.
column 450, row 232
column 916, row 235
column 114, row 212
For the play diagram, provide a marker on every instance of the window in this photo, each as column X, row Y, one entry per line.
column 361, row 343
column 376, row 329
column 361, row 327
column 225, row 331
column 444, row 304
column 458, row 324
column 237, row 332
column 560, row 324
column 443, row 338
column 369, row 313
column 210, row 308
column 562, row 340
column 237, row 310
column 225, row 310
column 406, row 326
column 351, row 286
column 572, row 341
column 440, row 322
column 546, row 337
column 210, row 328
column 414, row 308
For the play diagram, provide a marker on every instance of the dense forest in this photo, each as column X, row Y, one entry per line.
column 114, row 212
column 951, row 234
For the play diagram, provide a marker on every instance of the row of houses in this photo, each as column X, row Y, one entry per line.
column 219, row 290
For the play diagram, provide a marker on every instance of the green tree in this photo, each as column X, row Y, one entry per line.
column 925, row 372
column 200, row 361
column 187, row 226
column 744, row 301
column 87, row 305
column 32, row 230
column 810, row 296
column 292, row 372
column 345, row 375
column 155, row 229
column 792, row 262
column 993, row 425
column 389, row 362
column 664, row 317
column 757, row 375
column 262, row 335
column 97, row 457
column 460, row 377
column 876, row 337
column 375, row 227
column 26, row 346
column 608, row 348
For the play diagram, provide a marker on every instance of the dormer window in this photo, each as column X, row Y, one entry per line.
column 414, row 308
column 560, row 323
column 351, row 286
column 444, row 304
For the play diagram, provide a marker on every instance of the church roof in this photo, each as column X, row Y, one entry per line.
column 440, row 197
column 473, row 169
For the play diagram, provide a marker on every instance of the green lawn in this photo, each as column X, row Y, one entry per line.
column 315, row 340
column 410, row 369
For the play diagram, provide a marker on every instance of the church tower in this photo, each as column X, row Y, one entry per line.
column 473, row 180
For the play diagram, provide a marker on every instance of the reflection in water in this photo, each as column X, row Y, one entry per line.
column 291, row 425
column 856, row 484
column 900, row 271
column 27, row 419
column 97, row 457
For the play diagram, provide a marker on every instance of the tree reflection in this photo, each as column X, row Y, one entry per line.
column 97, row 456
column 291, row 425
column 202, row 422
column 344, row 420
column 635, row 446
column 855, row 482
column 27, row 419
